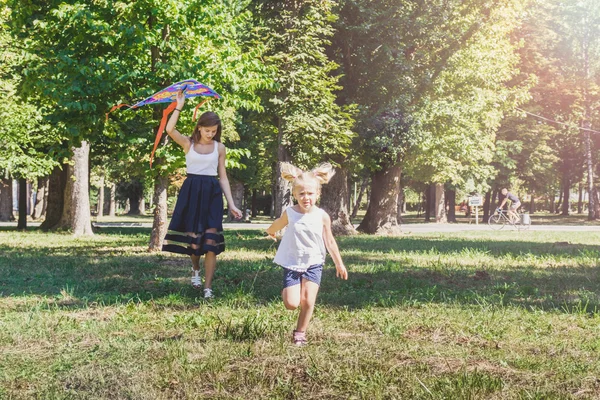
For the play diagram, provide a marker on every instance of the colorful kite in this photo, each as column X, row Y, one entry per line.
column 190, row 87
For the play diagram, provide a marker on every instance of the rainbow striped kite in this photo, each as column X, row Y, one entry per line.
column 190, row 87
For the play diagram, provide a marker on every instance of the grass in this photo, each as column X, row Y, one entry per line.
column 466, row 315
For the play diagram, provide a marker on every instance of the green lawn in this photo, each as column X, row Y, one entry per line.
column 469, row 315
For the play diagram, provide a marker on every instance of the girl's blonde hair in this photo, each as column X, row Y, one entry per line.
column 319, row 175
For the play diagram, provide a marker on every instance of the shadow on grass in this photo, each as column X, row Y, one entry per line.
column 119, row 271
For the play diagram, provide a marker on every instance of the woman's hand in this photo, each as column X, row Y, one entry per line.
column 180, row 99
column 237, row 214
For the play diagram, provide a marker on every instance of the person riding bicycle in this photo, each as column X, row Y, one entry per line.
column 515, row 203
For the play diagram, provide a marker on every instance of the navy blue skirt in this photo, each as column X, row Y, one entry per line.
column 199, row 207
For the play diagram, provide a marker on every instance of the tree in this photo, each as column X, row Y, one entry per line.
column 401, row 61
column 25, row 138
column 557, row 38
column 169, row 43
column 71, row 65
column 310, row 126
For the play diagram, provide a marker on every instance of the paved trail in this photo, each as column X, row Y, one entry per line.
column 431, row 227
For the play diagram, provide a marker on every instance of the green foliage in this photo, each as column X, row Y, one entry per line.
column 85, row 57
column 440, row 67
column 555, row 37
column 301, row 105
column 461, row 116
column 25, row 138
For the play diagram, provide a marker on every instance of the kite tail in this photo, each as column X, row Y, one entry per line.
column 197, row 107
column 161, row 128
column 116, row 108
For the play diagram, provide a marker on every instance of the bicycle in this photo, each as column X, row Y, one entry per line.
column 500, row 218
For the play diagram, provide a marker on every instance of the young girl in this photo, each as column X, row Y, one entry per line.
column 302, row 249
column 198, row 212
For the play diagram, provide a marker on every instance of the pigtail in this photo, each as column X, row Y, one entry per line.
column 289, row 172
column 323, row 173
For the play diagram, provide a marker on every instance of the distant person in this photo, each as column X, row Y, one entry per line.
column 302, row 249
column 515, row 203
column 198, row 213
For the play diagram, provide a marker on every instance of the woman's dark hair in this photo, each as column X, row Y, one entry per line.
column 208, row 118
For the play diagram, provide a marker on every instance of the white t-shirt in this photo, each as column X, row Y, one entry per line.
column 202, row 164
column 302, row 244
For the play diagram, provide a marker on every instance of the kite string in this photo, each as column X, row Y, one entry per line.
column 197, row 107
column 556, row 122
column 161, row 128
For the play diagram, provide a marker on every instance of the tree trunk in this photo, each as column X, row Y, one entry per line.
column 560, row 200
column 133, row 205
column 22, row 222
column 566, row 205
column 596, row 201
column 422, row 203
column 334, row 197
column 237, row 192
column 56, row 193
column 6, row 200
column 161, row 183
column 142, row 206
column 590, row 172
column 400, row 206
column 100, row 205
column 283, row 188
column 40, row 199
column 383, row 203
column 487, row 202
column 440, row 204
column 76, row 211
column 429, row 194
column 30, row 198
column 580, row 199
column 358, row 200
column 532, row 203
column 552, row 198
column 451, row 197
column 159, row 224
column 253, row 203
column 113, row 200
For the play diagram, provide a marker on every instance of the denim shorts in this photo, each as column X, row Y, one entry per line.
column 292, row 278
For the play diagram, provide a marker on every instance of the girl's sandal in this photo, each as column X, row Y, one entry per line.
column 299, row 338
column 196, row 281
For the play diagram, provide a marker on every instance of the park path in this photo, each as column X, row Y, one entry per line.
column 424, row 227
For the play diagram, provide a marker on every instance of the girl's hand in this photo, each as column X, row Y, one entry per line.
column 341, row 272
column 180, row 99
column 272, row 236
column 237, row 214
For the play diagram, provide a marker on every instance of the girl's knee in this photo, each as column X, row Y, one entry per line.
column 307, row 302
column 291, row 304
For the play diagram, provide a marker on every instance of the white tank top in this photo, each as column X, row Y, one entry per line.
column 202, row 164
column 302, row 244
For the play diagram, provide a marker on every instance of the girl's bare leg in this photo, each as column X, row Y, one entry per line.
column 291, row 297
column 195, row 259
column 195, row 262
column 308, row 297
column 210, row 262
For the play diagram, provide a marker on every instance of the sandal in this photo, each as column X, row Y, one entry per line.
column 299, row 338
column 208, row 293
column 196, row 281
